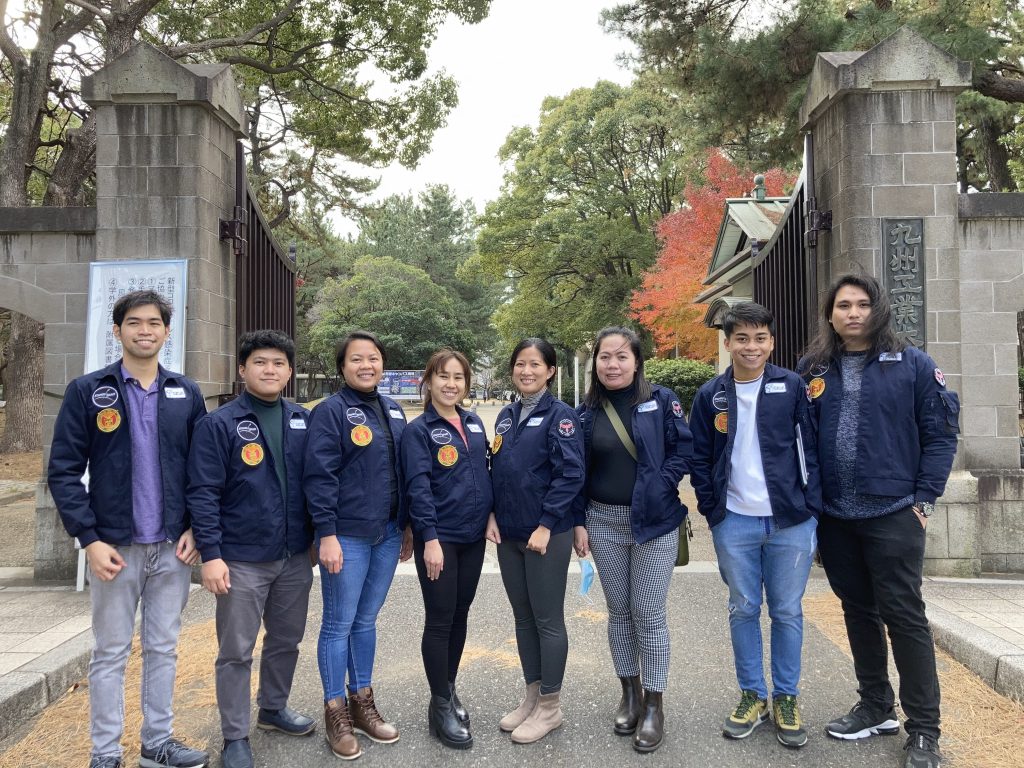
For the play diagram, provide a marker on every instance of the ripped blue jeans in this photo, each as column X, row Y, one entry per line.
column 755, row 557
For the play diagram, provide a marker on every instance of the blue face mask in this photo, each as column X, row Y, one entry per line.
column 586, row 576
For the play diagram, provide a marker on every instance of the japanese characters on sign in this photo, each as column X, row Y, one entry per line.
column 903, row 276
column 110, row 280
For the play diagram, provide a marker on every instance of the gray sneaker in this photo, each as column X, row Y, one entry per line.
column 173, row 754
column 110, row 761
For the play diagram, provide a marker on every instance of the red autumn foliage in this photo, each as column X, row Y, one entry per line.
column 688, row 236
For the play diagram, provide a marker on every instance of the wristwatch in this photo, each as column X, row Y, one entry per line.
column 924, row 508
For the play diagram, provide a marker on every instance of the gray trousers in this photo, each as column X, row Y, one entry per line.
column 156, row 578
column 274, row 594
column 535, row 585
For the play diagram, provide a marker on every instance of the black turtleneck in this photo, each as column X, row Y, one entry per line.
column 372, row 400
column 612, row 471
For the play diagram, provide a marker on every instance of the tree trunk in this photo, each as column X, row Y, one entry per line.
column 995, row 156
column 24, row 387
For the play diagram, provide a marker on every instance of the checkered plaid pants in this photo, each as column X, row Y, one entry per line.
column 635, row 579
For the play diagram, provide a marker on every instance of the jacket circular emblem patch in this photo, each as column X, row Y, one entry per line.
column 503, row 426
column 361, row 435
column 441, row 436
column 104, row 397
column 816, row 387
column 722, row 422
column 818, row 370
column 108, row 420
column 247, row 430
column 252, row 454
column 355, row 416
column 447, row 455
column 496, row 446
column 566, row 428
column 940, row 378
column 720, row 401
column 677, row 409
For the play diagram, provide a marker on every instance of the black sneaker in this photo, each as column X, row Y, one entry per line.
column 173, row 754
column 863, row 721
column 922, row 752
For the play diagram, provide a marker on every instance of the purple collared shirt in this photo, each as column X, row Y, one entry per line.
column 147, row 481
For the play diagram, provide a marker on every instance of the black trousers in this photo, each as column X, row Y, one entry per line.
column 875, row 567
column 446, row 603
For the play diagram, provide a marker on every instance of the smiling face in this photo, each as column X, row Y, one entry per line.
column 142, row 333
column 363, row 366
column 447, row 385
column 615, row 362
column 265, row 373
column 850, row 312
column 530, row 373
column 750, row 347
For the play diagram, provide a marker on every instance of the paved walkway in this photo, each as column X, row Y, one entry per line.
column 45, row 639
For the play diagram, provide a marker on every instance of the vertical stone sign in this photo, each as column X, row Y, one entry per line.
column 903, row 259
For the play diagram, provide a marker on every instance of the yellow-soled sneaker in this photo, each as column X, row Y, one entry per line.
column 788, row 727
column 749, row 713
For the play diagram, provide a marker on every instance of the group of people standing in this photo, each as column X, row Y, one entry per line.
column 848, row 459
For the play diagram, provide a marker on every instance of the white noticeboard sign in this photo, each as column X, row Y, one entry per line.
column 110, row 280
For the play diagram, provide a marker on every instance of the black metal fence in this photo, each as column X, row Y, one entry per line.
column 264, row 272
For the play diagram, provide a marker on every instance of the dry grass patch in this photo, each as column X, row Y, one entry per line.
column 980, row 728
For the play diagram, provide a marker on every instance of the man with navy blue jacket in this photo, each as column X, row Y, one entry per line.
column 129, row 426
column 755, row 474
column 249, row 516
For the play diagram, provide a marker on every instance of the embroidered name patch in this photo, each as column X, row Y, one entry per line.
column 534, row 421
column 774, row 387
column 174, row 393
column 650, row 405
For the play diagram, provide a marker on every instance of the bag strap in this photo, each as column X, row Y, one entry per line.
column 620, row 429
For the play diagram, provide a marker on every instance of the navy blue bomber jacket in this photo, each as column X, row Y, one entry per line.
column 238, row 509
column 537, row 468
column 92, row 429
column 781, row 406
column 346, row 474
column 665, row 447
column 447, row 484
column 906, row 438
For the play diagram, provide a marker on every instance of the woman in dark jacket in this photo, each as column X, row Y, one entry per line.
column 448, row 493
column 537, row 467
column 353, row 489
column 638, row 449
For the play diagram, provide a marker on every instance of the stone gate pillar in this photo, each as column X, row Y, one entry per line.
column 165, row 176
column 883, row 124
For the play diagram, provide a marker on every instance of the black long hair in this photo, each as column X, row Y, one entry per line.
column 827, row 345
column 597, row 394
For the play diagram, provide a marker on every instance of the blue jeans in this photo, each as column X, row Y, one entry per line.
column 755, row 555
column 352, row 599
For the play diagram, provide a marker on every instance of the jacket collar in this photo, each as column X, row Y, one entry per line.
column 770, row 372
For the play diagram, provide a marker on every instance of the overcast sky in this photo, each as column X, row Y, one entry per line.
column 505, row 66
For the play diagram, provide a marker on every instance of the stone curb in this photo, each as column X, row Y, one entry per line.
column 999, row 663
column 16, row 496
column 26, row 691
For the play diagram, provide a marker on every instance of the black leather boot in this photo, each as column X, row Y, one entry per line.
column 650, row 731
column 460, row 711
column 445, row 724
column 628, row 713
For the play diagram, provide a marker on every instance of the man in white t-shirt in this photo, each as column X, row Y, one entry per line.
column 755, row 474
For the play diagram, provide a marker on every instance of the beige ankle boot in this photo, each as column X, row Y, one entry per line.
column 546, row 716
column 514, row 719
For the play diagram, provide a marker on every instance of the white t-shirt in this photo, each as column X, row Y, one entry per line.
column 748, row 491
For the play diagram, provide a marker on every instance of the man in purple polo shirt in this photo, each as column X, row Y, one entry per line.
column 130, row 426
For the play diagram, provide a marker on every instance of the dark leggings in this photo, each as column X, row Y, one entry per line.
column 535, row 585
column 446, row 603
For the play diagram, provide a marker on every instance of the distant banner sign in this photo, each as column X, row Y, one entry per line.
column 401, row 385
column 110, row 280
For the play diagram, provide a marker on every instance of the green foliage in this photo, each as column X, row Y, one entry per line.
column 573, row 227
column 682, row 375
column 1020, row 379
column 412, row 315
column 741, row 69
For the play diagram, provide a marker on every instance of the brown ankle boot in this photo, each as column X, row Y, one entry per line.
column 367, row 720
column 515, row 718
column 546, row 716
column 338, row 726
column 628, row 713
column 650, row 731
